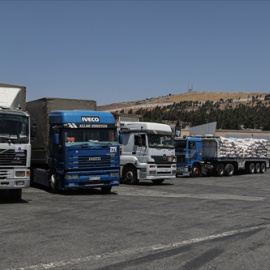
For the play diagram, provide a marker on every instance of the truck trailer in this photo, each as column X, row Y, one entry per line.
column 197, row 156
column 73, row 145
column 147, row 152
column 15, row 147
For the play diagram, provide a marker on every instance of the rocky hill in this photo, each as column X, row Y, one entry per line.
column 150, row 103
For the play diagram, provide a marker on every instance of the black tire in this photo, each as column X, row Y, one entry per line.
column 229, row 169
column 196, row 170
column 158, row 182
column 263, row 168
column 106, row 189
column 251, row 168
column 54, row 183
column 220, row 171
column 257, row 168
column 15, row 194
column 130, row 175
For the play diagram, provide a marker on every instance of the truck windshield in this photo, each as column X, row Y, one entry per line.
column 160, row 141
column 14, row 127
column 180, row 146
column 89, row 135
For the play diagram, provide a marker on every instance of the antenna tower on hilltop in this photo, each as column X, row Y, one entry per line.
column 190, row 89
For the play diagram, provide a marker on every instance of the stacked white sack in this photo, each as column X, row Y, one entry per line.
column 243, row 148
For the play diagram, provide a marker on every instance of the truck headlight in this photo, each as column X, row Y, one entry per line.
column 20, row 173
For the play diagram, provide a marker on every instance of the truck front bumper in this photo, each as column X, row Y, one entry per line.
column 183, row 171
column 157, row 171
column 86, row 180
column 14, row 178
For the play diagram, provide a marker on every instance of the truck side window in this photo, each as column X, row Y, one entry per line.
column 143, row 140
column 192, row 145
column 140, row 140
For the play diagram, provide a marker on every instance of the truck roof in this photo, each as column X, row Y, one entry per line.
column 146, row 126
column 81, row 116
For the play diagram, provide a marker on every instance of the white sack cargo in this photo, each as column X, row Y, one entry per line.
column 242, row 148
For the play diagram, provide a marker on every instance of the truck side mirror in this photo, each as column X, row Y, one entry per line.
column 56, row 138
column 120, row 138
column 33, row 130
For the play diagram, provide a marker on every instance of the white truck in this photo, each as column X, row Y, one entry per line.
column 15, row 147
column 147, row 152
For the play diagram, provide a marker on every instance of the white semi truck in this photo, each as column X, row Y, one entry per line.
column 15, row 147
column 147, row 152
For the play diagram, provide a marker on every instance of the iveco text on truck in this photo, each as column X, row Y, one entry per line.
column 15, row 148
column 147, row 152
column 73, row 149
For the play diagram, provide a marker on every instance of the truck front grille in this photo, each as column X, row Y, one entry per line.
column 162, row 159
column 3, row 174
column 8, row 157
column 96, row 162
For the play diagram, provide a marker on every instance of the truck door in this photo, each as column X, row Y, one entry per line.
column 194, row 151
column 140, row 149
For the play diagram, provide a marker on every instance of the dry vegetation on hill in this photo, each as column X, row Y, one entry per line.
column 237, row 97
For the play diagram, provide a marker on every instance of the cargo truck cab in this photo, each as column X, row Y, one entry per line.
column 83, row 152
column 188, row 153
column 147, row 153
column 15, row 147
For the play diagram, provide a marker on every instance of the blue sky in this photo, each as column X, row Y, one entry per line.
column 113, row 51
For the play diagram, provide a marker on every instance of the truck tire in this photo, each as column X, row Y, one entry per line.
column 251, row 168
column 130, row 175
column 220, row 170
column 158, row 182
column 263, row 168
column 54, row 183
column 229, row 169
column 257, row 168
column 15, row 194
column 196, row 170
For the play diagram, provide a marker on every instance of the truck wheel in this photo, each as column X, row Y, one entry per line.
column 251, row 168
column 229, row 169
column 196, row 170
column 54, row 183
column 130, row 175
column 257, row 168
column 263, row 168
column 158, row 182
column 220, row 170
column 15, row 194
column 106, row 190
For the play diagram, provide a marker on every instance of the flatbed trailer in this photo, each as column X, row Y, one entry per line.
column 197, row 156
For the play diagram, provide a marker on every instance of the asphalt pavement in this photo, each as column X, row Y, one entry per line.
column 184, row 223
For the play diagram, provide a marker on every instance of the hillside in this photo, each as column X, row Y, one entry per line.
column 150, row 103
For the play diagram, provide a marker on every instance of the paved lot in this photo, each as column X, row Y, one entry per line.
column 185, row 223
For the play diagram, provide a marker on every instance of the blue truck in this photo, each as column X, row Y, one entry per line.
column 197, row 156
column 73, row 147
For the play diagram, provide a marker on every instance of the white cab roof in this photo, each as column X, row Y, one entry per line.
column 147, row 126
